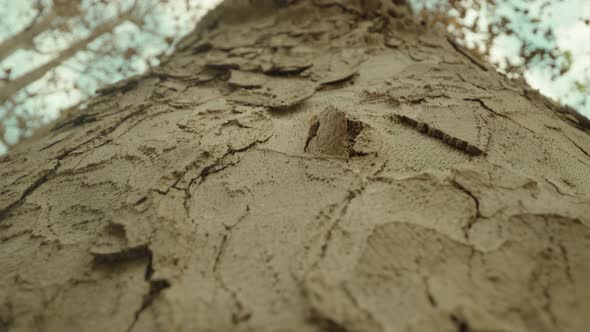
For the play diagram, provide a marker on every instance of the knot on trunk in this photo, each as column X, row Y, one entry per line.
column 332, row 133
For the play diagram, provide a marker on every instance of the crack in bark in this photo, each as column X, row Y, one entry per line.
column 342, row 208
column 156, row 286
column 313, row 132
column 468, row 55
column 123, row 255
column 121, row 86
column 477, row 215
column 578, row 146
column 429, row 296
column 469, row 82
column 369, row 315
column 486, row 107
column 29, row 190
column 104, row 132
column 461, row 324
column 241, row 314
column 326, row 324
column 56, row 142
column 554, row 186
column 472, row 253
column 210, row 169
column 109, row 140
column 564, row 255
column 76, row 121
column 451, row 141
column 14, row 236
column 547, row 306
column 345, row 8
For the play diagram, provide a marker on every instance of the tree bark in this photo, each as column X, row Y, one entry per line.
column 309, row 166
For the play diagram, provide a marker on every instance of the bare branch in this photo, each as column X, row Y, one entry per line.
column 22, row 81
column 24, row 39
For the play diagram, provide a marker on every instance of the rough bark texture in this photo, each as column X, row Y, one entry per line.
column 328, row 166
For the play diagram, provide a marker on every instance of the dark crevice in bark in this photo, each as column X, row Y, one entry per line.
column 486, row 107
column 439, row 134
column 368, row 314
column 346, row 9
column 431, row 299
column 75, row 122
column 109, row 140
column 121, row 86
column 326, row 324
column 15, row 235
column 334, row 225
column 352, row 194
column 578, row 146
column 477, row 215
column 566, row 261
column 554, row 186
column 55, row 143
column 313, row 132
column 18, row 179
column 123, row 255
column 461, row 76
column 547, row 306
column 211, row 169
column 241, row 314
column 353, row 129
column 468, row 55
column 155, row 288
column 29, row 190
column 4, row 325
column 104, row 132
column 216, row 167
column 461, row 324
column 148, row 116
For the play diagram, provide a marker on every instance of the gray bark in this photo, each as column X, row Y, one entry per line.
column 327, row 166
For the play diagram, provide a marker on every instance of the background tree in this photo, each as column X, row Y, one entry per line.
column 540, row 40
column 520, row 37
column 67, row 49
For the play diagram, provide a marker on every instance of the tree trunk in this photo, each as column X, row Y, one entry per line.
column 326, row 166
column 20, row 82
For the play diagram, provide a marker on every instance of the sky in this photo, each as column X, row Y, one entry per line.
column 569, row 20
column 79, row 77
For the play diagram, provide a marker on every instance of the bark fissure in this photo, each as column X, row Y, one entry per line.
column 241, row 314
column 548, row 306
column 428, row 293
column 342, row 209
column 446, row 138
column 367, row 313
column 212, row 169
column 156, row 286
column 468, row 55
column 475, row 200
column 103, row 133
column 578, row 146
column 29, row 190
column 461, row 324
column 566, row 261
column 486, row 107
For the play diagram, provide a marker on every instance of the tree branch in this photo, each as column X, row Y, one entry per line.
column 22, row 81
column 24, row 38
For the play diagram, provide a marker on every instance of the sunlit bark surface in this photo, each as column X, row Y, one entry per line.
column 323, row 166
